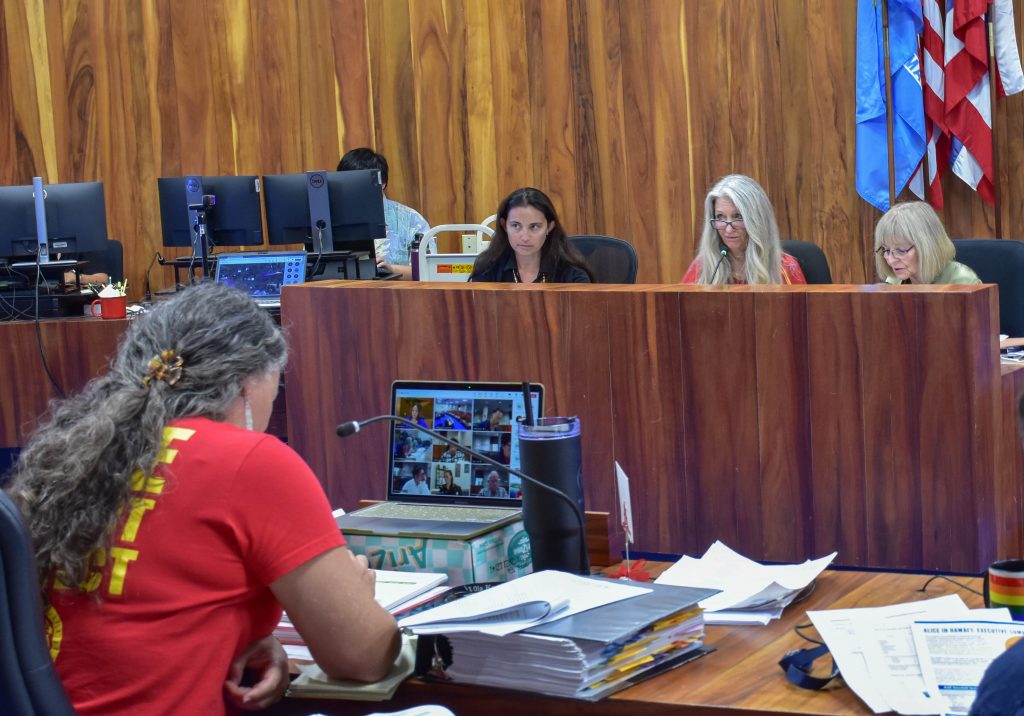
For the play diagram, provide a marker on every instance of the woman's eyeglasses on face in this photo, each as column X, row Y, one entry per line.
column 895, row 253
column 720, row 224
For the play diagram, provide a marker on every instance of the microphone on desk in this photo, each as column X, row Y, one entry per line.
column 583, row 565
column 725, row 253
column 149, row 294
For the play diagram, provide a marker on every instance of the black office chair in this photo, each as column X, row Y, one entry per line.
column 611, row 260
column 999, row 261
column 29, row 685
column 811, row 259
column 109, row 261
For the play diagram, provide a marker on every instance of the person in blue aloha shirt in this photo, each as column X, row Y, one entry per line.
column 403, row 222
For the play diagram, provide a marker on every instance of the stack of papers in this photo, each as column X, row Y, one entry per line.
column 520, row 603
column 750, row 593
column 597, row 636
column 922, row 657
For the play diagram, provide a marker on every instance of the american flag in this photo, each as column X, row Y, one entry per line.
column 964, row 88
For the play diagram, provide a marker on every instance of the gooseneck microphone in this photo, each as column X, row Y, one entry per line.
column 352, row 427
column 725, row 254
column 149, row 293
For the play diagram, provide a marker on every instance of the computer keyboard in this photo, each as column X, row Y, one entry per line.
column 440, row 513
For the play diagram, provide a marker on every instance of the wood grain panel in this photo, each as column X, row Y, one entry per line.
column 647, row 416
column 720, row 432
column 783, row 424
column 835, row 321
column 624, row 113
column 76, row 350
column 786, row 422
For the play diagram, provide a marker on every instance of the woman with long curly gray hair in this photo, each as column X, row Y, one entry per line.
column 169, row 530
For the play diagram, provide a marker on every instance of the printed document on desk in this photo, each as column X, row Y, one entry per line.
column 521, row 603
column 874, row 649
column 394, row 588
column 954, row 655
column 751, row 593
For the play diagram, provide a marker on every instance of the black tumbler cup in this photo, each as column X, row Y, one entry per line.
column 549, row 451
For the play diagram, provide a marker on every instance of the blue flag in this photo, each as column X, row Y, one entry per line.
column 905, row 25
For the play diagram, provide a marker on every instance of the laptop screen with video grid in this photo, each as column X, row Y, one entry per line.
column 484, row 417
column 262, row 275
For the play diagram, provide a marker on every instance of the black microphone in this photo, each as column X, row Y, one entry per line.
column 353, row 426
column 725, row 252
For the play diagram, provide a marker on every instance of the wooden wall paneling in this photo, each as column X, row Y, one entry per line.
column 836, row 332
column 553, row 105
column 27, row 390
column 647, row 405
column 162, row 81
column 1005, row 520
column 514, row 148
column 27, row 76
column 128, row 100
column 817, row 191
column 480, row 181
column 1009, row 145
column 783, row 412
column 317, row 115
column 624, row 114
column 719, row 417
column 672, row 97
column 351, row 47
column 438, row 73
column 8, row 136
column 641, row 221
column 582, row 381
column 892, row 356
column 397, row 101
column 957, row 418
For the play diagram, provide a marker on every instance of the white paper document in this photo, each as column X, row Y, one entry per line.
column 760, row 592
column 954, row 656
column 531, row 600
column 875, row 650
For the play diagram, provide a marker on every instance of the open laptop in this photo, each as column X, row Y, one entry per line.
column 262, row 274
column 435, row 490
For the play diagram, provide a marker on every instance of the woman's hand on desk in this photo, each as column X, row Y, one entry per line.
column 267, row 658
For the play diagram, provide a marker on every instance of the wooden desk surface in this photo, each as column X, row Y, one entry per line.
column 741, row 678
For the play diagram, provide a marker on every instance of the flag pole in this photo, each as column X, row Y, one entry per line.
column 992, row 69
column 888, row 103
column 925, row 173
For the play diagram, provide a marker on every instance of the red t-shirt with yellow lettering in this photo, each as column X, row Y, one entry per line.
column 227, row 512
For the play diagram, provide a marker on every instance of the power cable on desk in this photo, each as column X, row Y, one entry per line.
column 961, row 585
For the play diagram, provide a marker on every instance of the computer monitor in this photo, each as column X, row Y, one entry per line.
column 234, row 220
column 329, row 212
column 76, row 220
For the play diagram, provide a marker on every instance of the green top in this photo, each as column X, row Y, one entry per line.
column 955, row 272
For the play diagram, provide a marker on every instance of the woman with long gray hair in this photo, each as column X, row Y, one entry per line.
column 740, row 240
column 169, row 530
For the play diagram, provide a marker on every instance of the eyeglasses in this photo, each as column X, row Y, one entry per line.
column 896, row 253
column 735, row 224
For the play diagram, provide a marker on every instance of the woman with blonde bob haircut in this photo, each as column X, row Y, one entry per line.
column 911, row 246
column 740, row 241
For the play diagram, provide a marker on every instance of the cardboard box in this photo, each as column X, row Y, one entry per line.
column 495, row 556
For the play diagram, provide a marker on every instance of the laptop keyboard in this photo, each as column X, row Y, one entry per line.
column 440, row 513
